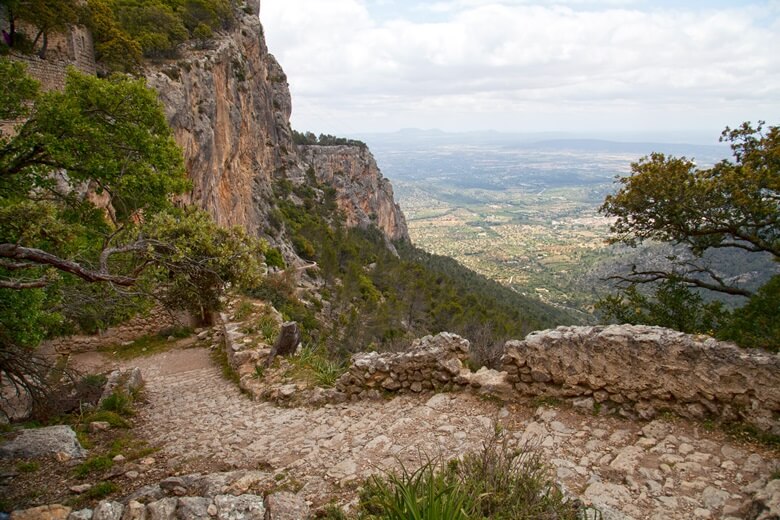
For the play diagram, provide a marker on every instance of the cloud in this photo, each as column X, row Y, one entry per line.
column 494, row 61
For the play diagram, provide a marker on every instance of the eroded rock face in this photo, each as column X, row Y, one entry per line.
column 363, row 194
column 647, row 369
column 229, row 107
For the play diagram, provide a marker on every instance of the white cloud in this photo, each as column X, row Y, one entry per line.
column 510, row 65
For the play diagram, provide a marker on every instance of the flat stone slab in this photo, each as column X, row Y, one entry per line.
column 40, row 442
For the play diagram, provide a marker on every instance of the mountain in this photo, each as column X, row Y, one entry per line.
column 229, row 106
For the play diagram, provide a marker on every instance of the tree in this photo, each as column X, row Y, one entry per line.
column 731, row 205
column 114, row 48
column 86, row 183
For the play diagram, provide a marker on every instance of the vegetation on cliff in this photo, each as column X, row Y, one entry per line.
column 124, row 31
column 309, row 138
column 372, row 298
column 731, row 206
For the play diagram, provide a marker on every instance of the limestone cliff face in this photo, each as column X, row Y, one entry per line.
column 229, row 106
column 364, row 195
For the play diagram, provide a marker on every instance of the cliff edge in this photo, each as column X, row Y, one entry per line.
column 229, row 104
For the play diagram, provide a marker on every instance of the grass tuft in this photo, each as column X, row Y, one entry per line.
column 496, row 482
column 93, row 465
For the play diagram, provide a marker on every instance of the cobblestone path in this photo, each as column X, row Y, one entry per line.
column 657, row 470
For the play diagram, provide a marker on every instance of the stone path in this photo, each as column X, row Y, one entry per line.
column 658, row 470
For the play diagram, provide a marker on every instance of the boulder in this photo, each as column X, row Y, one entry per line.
column 41, row 442
column 125, row 381
column 286, row 506
column 50, row 512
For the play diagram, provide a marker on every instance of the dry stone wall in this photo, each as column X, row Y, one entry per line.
column 158, row 320
column 645, row 370
column 432, row 363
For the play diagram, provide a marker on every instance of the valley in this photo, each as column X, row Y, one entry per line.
column 522, row 212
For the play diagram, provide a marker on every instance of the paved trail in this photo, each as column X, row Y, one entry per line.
column 658, row 470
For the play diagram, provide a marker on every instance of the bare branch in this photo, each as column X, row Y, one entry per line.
column 38, row 256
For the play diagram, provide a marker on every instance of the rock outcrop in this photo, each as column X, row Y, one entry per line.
column 363, row 194
column 41, row 442
column 645, row 370
column 229, row 106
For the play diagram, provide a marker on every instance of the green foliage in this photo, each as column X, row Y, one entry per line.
column 28, row 467
column 428, row 493
column 111, row 417
column 314, row 365
column 495, row 483
column 100, row 490
column 755, row 325
column 124, row 30
column 46, row 16
column 115, row 49
column 733, row 205
column 308, row 138
column 673, row 305
column 120, row 403
column 93, row 465
column 273, row 258
column 198, row 257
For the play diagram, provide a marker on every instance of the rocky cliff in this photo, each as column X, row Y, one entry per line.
column 229, row 105
column 363, row 194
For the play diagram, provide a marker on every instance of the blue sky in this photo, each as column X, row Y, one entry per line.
column 584, row 66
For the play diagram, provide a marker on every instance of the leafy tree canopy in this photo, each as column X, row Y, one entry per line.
column 734, row 205
column 731, row 205
column 85, row 190
column 86, row 183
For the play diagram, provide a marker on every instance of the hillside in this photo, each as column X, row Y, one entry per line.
column 351, row 375
column 229, row 106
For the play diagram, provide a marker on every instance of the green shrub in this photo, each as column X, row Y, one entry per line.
column 93, row 465
column 429, row 493
column 100, row 490
column 243, row 310
column 112, row 418
column 495, row 482
column 314, row 365
column 118, row 402
column 28, row 467
column 273, row 258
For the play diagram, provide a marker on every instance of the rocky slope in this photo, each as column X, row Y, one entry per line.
column 229, row 105
column 363, row 194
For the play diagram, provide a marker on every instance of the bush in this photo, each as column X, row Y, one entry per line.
column 119, row 403
column 496, row 482
column 273, row 258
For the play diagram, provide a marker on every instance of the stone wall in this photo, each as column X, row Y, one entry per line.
column 646, row 370
column 73, row 48
column 431, row 363
column 157, row 320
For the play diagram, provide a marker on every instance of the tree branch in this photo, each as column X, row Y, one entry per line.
column 642, row 277
column 38, row 256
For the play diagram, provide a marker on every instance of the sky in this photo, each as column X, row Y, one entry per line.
column 581, row 66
